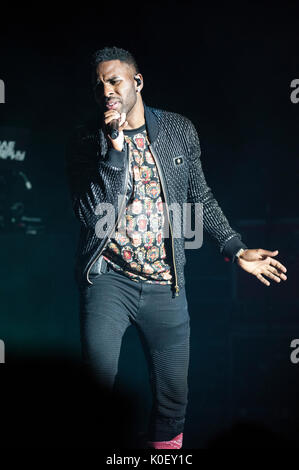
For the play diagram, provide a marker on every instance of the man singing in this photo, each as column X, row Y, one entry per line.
column 137, row 163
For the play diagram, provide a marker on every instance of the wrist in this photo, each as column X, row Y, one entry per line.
column 117, row 144
column 239, row 253
column 118, row 148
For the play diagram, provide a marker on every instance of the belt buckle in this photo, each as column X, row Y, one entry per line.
column 99, row 267
column 104, row 266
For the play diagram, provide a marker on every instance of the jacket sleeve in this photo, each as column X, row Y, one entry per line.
column 92, row 180
column 214, row 221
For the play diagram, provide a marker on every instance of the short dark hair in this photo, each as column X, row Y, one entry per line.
column 111, row 53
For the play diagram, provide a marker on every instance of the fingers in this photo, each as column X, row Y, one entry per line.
column 278, row 265
column 111, row 115
column 271, row 273
column 123, row 126
column 277, row 273
column 263, row 280
column 262, row 253
column 274, row 274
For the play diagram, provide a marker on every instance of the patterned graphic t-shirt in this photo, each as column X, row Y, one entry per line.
column 138, row 250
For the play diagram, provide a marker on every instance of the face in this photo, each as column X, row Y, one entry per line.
column 116, row 87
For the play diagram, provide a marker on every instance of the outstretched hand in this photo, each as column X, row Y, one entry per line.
column 259, row 262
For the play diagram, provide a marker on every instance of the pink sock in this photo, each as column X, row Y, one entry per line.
column 175, row 443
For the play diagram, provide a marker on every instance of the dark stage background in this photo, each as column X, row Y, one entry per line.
column 228, row 69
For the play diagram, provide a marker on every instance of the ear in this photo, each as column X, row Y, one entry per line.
column 139, row 81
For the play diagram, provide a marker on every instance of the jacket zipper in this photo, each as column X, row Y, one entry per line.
column 172, row 245
column 118, row 218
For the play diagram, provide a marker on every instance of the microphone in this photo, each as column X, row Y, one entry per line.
column 112, row 127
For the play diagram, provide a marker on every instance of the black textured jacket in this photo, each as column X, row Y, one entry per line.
column 99, row 174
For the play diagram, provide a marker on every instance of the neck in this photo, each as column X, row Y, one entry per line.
column 136, row 117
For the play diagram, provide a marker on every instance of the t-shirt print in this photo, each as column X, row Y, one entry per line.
column 138, row 250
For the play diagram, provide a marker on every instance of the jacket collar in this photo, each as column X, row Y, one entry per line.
column 151, row 123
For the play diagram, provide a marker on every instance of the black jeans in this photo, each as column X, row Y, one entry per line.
column 107, row 308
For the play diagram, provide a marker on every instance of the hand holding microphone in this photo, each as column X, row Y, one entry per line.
column 115, row 123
